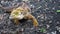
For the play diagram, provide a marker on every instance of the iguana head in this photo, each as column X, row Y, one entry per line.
column 19, row 13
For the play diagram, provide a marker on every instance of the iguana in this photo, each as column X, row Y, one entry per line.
column 21, row 12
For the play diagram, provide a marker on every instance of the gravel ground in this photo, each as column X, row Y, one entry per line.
column 45, row 13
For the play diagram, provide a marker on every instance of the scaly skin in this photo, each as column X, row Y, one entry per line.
column 26, row 14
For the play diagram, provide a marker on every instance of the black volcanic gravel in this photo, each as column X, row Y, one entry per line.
column 45, row 13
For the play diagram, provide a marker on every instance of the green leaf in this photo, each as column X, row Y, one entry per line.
column 58, row 11
column 43, row 30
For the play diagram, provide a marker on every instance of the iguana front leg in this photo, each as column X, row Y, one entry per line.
column 16, row 21
column 35, row 22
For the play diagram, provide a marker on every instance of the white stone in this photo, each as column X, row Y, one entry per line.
column 38, row 17
column 48, row 26
column 25, row 0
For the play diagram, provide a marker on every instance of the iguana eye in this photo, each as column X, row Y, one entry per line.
column 23, row 13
